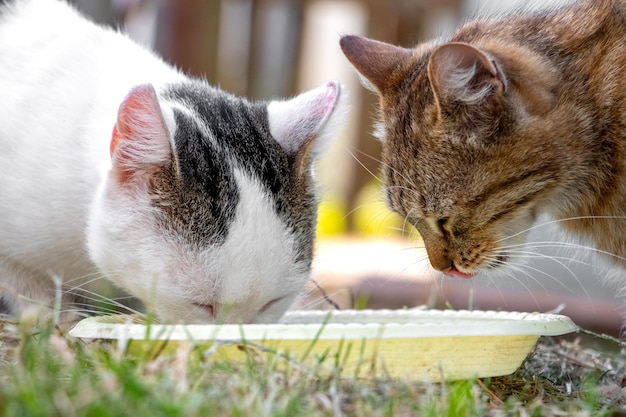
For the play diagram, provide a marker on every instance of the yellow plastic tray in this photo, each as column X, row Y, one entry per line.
column 418, row 344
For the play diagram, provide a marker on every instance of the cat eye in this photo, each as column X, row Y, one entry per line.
column 435, row 225
column 268, row 305
column 209, row 308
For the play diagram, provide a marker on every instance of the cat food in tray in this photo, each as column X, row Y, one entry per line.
column 416, row 344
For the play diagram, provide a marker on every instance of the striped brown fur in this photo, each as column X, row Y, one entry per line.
column 508, row 118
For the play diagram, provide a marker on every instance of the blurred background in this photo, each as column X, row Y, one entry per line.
column 366, row 256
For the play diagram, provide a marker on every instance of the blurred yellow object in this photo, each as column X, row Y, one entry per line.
column 372, row 217
column 331, row 218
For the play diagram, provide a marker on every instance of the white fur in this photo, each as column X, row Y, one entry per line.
column 62, row 80
column 252, row 268
column 268, row 266
column 61, row 212
column 291, row 123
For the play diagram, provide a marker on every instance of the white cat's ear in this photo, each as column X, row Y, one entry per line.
column 459, row 72
column 380, row 63
column 305, row 125
column 140, row 140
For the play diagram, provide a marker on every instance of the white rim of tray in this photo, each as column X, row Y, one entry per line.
column 339, row 324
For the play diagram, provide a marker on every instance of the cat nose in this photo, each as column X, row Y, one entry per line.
column 443, row 263
column 440, row 261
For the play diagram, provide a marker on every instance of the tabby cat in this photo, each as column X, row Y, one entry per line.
column 507, row 119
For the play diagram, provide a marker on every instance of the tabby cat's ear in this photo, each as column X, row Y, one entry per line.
column 305, row 125
column 462, row 73
column 469, row 90
column 141, row 139
column 378, row 62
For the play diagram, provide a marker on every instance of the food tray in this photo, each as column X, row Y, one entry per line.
column 417, row 344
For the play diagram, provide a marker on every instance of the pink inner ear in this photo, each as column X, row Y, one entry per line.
column 115, row 138
column 297, row 123
column 139, row 138
column 139, row 108
column 330, row 99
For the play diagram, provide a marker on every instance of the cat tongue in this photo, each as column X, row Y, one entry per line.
column 456, row 273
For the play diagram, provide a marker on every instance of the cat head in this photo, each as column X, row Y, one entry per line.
column 208, row 210
column 468, row 152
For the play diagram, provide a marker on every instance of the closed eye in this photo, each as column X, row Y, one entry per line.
column 513, row 206
column 268, row 305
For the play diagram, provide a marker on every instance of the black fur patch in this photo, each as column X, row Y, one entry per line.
column 5, row 306
column 6, row 7
column 240, row 139
column 240, row 129
column 200, row 203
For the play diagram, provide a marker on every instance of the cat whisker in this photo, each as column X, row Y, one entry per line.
column 508, row 267
column 523, row 268
column 98, row 302
column 409, row 181
column 568, row 245
column 403, row 188
column 510, row 275
column 84, row 311
column 442, row 279
column 325, row 295
column 373, row 218
column 369, row 171
column 557, row 221
column 90, row 277
column 82, row 285
column 420, row 248
column 406, row 218
column 383, row 164
column 324, row 298
column 522, row 254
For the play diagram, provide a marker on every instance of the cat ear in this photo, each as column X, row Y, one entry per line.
column 461, row 72
column 304, row 126
column 141, row 139
column 469, row 90
column 376, row 61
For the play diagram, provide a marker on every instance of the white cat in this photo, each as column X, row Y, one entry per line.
column 199, row 203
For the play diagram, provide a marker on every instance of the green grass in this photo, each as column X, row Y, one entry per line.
column 43, row 372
